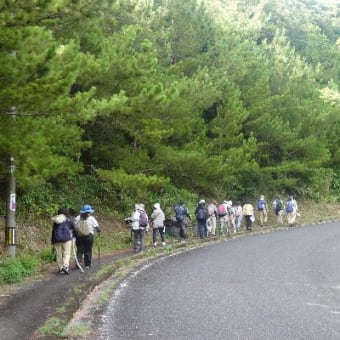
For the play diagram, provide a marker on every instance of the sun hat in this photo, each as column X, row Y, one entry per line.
column 86, row 209
column 201, row 202
column 140, row 207
column 157, row 206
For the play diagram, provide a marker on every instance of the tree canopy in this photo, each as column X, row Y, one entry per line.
column 213, row 98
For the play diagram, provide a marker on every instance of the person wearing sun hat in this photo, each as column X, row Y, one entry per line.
column 158, row 218
column 85, row 226
column 211, row 222
column 138, row 222
column 262, row 207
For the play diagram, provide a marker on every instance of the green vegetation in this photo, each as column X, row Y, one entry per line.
column 14, row 270
column 124, row 101
column 53, row 326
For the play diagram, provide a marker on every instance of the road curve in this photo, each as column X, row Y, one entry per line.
column 280, row 285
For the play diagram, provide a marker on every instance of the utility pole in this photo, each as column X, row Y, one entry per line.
column 11, row 205
column 11, row 208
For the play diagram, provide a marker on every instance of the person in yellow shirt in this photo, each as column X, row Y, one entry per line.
column 248, row 213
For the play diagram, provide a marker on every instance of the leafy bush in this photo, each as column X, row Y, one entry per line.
column 12, row 270
column 29, row 263
column 47, row 254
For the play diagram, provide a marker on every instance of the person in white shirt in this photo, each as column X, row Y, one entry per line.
column 158, row 218
column 85, row 226
column 212, row 211
column 238, row 216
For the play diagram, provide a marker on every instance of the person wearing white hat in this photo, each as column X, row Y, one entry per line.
column 133, row 221
column 158, row 218
column 262, row 207
column 85, row 226
column 211, row 223
column 139, row 223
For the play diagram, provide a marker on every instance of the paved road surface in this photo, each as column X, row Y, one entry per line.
column 280, row 285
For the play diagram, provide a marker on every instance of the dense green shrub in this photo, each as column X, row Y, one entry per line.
column 47, row 254
column 13, row 270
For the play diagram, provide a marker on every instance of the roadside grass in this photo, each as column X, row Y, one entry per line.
column 13, row 270
column 53, row 326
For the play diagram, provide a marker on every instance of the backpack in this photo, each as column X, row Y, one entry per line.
column 82, row 228
column 289, row 207
column 221, row 210
column 143, row 219
column 260, row 204
column 62, row 232
column 201, row 214
column 278, row 206
column 180, row 212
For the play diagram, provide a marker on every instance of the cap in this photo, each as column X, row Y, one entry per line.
column 86, row 209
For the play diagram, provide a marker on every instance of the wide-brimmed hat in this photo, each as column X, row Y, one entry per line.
column 157, row 206
column 140, row 207
column 86, row 209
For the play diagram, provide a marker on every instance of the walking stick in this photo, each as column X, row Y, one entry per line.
column 75, row 256
column 98, row 245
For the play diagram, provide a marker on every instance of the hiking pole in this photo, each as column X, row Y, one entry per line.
column 98, row 246
column 75, row 256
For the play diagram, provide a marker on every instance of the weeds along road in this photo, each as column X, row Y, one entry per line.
column 280, row 285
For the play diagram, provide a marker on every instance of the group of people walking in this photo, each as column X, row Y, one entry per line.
column 225, row 217
column 229, row 217
column 139, row 222
column 69, row 232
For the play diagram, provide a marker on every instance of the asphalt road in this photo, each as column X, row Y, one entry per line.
column 280, row 285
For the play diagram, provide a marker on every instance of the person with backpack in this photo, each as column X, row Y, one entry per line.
column 158, row 218
column 222, row 212
column 62, row 231
column 85, row 226
column 278, row 209
column 263, row 210
column 238, row 216
column 143, row 227
column 248, row 213
column 133, row 221
column 201, row 214
column 212, row 217
column 231, row 213
column 182, row 217
column 291, row 210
